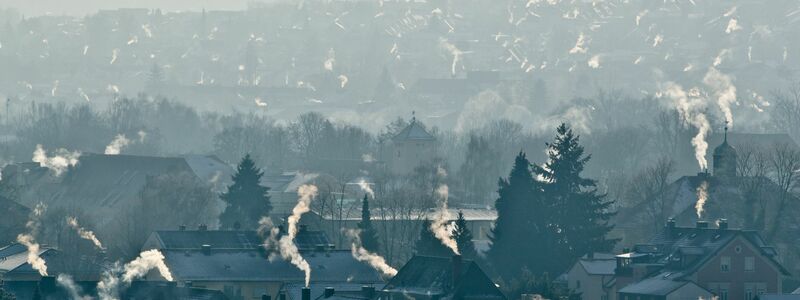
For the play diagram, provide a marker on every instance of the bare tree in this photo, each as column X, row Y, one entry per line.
column 650, row 187
column 785, row 110
column 753, row 164
column 785, row 163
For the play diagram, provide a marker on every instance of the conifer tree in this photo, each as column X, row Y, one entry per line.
column 247, row 200
column 368, row 234
column 428, row 244
column 580, row 213
column 463, row 237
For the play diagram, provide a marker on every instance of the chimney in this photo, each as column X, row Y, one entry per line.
column 329, row 291
column 305, row 294
column 206, row 248
column 202, row 227
column 456, row 269
column 265, row 297
column 368, row 291
column 281, row 296
column 671, row 227
column 702, row 224
column 723, row 224
column 182, row 227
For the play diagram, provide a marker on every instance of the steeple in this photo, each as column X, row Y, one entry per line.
column 725, row 158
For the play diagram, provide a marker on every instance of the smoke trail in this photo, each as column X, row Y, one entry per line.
column 579, row 45
column 364, row 185
column 29, row 241
column 594, row 62
column 441, row 226
column 116, row 145
column 457, row 53
column 361, row 254
column 286, row 244
column 330, row 60
column 58, row 163
column 114, row 54
column 343, row 79
column 83, row 233
column 702, row 196
column 733, row 25
column 71, row 287
column 108, row 287
column 724, row 90
column 691, row 107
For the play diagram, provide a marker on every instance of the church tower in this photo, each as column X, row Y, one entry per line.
column 725, row 159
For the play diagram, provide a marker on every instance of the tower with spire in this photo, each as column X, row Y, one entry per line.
column 725, row 159
column 411, row 146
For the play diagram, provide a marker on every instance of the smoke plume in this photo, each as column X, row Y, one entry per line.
column 691, row 107
column 441, row 226
column 702, row 196
column 361, row 254
column 286, row 244
column 116, row 146
column 29, row 241
column 72, row 288
column 454, row 51
column 724, row 91
column 58, row 163
column 108, row 287
column 84, row 233
column 364, row 185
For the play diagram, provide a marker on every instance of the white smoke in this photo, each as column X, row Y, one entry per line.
column 594, row 62
column 361, row 254
column 29, row 241
column 114, row 55
column 364, row 185
column 108, row 287
column 733, row 25
column 724, row 53
column 72, row 288
column 58, row 163
column 116, row 145
column 84, row 233
column 702, row 196
column 691, row 106
column 724, row 91
column 286, row 244
column 579, row 45
column 441, row 226
column 343, row 80
column 328, row 64
column 454, row 51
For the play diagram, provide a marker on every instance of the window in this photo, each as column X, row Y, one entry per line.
column 577, row 284
column 725, row 263
column 260, row 291
column 748, row 292
column 738, row 249
column 749, row 264
column 723, row 293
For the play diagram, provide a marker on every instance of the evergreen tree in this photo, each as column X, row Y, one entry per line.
column 368, row 234
column 463, row 237
column 522, row 236
column 579, row 212
column 247, row 200
column 478, row 164
column 428, row 244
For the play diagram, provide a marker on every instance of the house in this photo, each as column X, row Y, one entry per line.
column 15, row 216
column 331, row 291
column 681, row 262
column 427, row 277
column 249, row 274
column 591, row 275
column 20, row 279
column 49, row 289
column 410, row 147
column 185, row 239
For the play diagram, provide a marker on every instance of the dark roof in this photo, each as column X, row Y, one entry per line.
column 13, row 221
column 702, row 244
column 253, row 265
column 342, row 290
column 656, row 286
column 158, row 290
column 414, row 132
column 12, row 249
column 83, row 268
column 724, row 148
column 599, row 266
column 232, row 239
column 427, row 275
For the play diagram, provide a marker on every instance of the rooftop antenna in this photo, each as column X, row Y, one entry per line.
column 413, row 116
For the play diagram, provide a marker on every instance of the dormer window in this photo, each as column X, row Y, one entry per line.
column 725, row 264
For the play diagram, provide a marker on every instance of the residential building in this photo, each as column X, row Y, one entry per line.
column 410, row 147
column 185, row 239
column 427, row 277
column 692, row 262
column 590, row 276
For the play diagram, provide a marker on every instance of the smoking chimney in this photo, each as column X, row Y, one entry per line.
column 456, row 269
column 368, row 291
column 671, row 227
column 206, row 248
column 305, row 294
column 723, row 224
column 702, row 224
column 329, row 291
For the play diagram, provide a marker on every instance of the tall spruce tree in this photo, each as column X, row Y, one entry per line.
column 247, row 200
column 368, row 234
column 463, row 237
column 428, row 244
column 522, row 235
column 581, row 214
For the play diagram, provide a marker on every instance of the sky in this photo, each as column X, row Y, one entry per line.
column 83, row 7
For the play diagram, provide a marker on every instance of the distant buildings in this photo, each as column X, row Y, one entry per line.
column 410, row 147
column 425, row 277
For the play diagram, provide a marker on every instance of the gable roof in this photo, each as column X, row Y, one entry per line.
column 656, row 286
column 253, row 265
column 81, row 269
column 598, row 266
column 231, row 239
column 428, row 275
column 415, row 131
